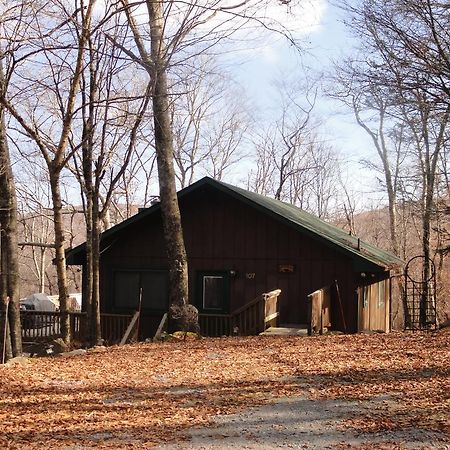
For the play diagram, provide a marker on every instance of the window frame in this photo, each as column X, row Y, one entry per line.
column 201, row 276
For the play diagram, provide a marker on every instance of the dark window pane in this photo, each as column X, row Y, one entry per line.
column 154, row 290
column 126, row 290
column 213, row 292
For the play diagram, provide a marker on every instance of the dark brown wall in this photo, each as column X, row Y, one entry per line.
column 222, row 233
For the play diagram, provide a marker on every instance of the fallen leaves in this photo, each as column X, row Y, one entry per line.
column 137, row 395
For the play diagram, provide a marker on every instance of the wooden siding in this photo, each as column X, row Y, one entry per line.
column 373, row 306
column 224, row 234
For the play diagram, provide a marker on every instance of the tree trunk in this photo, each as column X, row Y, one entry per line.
column 96, row 322
column 60, row 256
column 171, row 218
column 8, row 237
column 87, row 288
column 88, row 213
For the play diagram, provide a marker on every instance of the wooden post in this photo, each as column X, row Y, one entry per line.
column 321, row 311
column 139, row 316
column 161, row 326
column 132, row 324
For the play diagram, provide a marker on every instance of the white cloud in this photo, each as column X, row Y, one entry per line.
column 298, row 17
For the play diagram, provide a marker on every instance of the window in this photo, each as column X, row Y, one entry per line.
column 154, row 290
column 128, row 285
column 213, row 292
column 126, row 290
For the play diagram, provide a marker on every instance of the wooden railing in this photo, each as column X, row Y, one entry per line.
column 113, row 327
column 46, row 325
column 319, row 314
column 257, row 315
column 37, row 325
column 272, row 308
column 215, row 325
column 251, row 319
column 248, row 320
column 77, row 325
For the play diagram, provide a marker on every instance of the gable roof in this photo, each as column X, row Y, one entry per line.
column 363, row 253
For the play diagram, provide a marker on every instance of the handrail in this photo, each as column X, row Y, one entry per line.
column 273, row 293
column 256, row 315
column 216, row 315
column 260, row 298
column 247, row 305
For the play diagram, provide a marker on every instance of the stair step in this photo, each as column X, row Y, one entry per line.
column 285, row 331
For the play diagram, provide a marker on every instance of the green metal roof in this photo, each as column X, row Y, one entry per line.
column 365, row 255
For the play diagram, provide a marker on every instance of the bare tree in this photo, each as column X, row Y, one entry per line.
column 294, row 163
column 9, row 260
column 373, row 110
column 63, row 63
column 404, row 80
column 170, row 35
column 111, row 117
column 209, row 120
column 406, row 38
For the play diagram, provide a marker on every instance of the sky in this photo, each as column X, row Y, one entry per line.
column 323, row 38
column 317, row 27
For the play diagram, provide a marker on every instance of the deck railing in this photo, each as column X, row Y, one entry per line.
column 113, row 327
column 214, row 325
column 250, row 319
column 46, row 325
column 319, row 303
column 257, row 315
column 37, row 325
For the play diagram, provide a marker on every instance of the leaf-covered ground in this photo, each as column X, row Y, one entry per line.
column 136, row 396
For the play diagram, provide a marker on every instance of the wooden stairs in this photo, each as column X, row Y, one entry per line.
column 286, row 330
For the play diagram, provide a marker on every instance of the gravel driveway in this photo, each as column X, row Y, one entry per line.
column 297, row 422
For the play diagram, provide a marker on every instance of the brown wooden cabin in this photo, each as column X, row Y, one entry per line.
column 240, row 245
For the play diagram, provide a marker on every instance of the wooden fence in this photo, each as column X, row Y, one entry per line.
column 113, row 327
column 251, row 319
column 46, row 325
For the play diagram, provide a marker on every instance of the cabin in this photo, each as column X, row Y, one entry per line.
column 241, row 246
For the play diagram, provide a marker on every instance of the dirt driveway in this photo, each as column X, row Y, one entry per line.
column 296, row 422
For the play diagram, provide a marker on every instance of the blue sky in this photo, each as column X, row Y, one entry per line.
column 326, row 39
